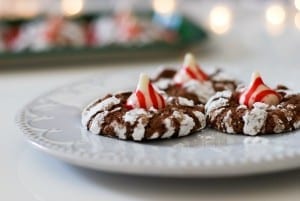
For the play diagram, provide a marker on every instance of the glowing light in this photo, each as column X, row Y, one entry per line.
column 27, row 9
column 297, row 20
column 275, row 14
column 220, row 19
column 297, row 4
column 164, row 6
column 3, row 7
column 71, row 7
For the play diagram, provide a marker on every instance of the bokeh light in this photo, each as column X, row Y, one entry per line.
column 275, row 14
column 297, row 20
column 164, row 6
column 297, row 4
column 220, row 19
column 27, row 9
column 71, row 7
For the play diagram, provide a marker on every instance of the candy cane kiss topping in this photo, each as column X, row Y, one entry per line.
column 190, row 71
column 259, row 92
column 145, row 96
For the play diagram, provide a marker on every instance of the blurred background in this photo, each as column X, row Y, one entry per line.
column 46, row 44
column 34, row 32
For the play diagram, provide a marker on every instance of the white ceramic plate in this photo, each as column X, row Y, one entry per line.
column 52, row 124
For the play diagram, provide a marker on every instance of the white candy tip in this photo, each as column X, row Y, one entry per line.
column 143, row 76
column 143, row 82
column 145, row 95
column 189, row 60
column 255, row 75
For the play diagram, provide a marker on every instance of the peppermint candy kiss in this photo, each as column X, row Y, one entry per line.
column 145, row 95
column 259, row 92
column 54, row 25
column 190, row 71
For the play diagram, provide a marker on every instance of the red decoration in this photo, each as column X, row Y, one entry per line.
column 190, row 71
column 145, row 96
column 259, row 92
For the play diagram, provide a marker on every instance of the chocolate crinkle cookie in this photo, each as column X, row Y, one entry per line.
column 226, row 114
column 193, row 90
column 110, row 116
column 193, row 83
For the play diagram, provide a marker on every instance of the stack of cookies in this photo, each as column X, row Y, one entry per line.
column 177, row 103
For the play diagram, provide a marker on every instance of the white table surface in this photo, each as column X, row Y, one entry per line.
column 28, row 175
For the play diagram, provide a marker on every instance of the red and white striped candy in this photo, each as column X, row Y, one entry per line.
column 145, row 95
column 259, row 92
column 190, row 71
column 54, row 25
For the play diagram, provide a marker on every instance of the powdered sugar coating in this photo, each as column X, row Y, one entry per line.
column 170, row 129
column 185, row 101
column 219, row 100
column 254, row 120
column 132, row 115
column 186, row 123
column 279, row 126
column 203, row 90
column 97, row 122
column 139, row 130
column 154, row 136
column 119, row 129
column 213, row 115
column 296, row 125
column 139, row 117
column 228, row 122
column 201, row 118
column 93, row 108
column 163, row 83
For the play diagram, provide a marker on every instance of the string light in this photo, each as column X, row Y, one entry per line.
column 3, row 8
column 71, row 7
column 220, row 19
column 297, row 4
column 26, row 9
column 164, row 6
column 297, row 20
column 275, row 14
